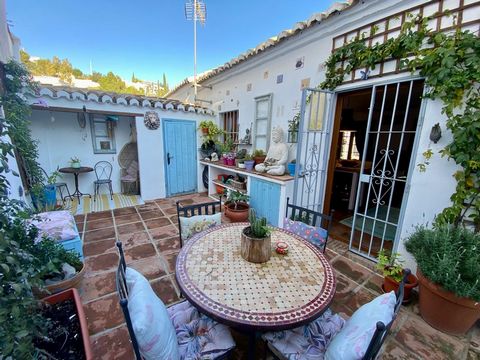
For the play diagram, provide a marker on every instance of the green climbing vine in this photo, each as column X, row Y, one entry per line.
column 16, row 124
column 449, row 62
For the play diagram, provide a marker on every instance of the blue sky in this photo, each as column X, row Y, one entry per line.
column 149, row 37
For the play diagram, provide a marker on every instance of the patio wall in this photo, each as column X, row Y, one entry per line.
column 429, row 192
column 61, row 138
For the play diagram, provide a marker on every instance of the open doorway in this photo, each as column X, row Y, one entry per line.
column 369, row 162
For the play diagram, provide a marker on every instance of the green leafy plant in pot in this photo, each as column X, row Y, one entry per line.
column 75, row 162
column 44, row 193
column 393, row 272
column 259, row 156
column 448, row 259
column 256, row 243
column 236, row 206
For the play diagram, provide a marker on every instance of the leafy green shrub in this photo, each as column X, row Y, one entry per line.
column 24, row 265
column 448, row 256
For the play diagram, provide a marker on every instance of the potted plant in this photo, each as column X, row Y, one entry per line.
column 236, row 206
column 75, row 162
column 448, row 259
column 64, row 311
column 210, row 130
column 392, row 270
column 240, row 157
column 44, row 193
column 291, row 167
column 259, row 156
column 256, row 243
column 23, row 335
column 249, row 162
column 293, row 128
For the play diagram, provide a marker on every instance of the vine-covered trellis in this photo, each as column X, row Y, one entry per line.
column 449, row 62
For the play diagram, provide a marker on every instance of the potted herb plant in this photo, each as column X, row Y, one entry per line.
column 236, row 206
column 392, row 270
column 259, row 156
column 448, row 259
column 293, row 128
column 75, row 162
column 249, row 162
column 256, row 243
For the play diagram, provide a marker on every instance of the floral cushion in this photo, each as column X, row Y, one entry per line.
column 195, row 224
column 313, row 234
column 309, row 341
column 352, row 342
column 57, row 225
column 198, row 336
column 151, row 323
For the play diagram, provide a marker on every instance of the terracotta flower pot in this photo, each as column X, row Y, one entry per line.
column 61, row 285
column 389, row 284
column 255, row 250
column 445, row 311
column 240, row 214
column 205, row 131
column 73, row 294
column 259, row 159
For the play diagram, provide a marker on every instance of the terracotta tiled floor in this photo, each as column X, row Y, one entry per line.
column 149, row 234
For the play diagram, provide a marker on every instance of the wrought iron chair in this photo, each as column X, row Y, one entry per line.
column 122, row 290
column 310, row 217
column 103, row 172
column 381, row 329
column 58, row 186
column 209, row 208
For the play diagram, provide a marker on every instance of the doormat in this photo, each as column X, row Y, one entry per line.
column 379, row 224
column 102, row 203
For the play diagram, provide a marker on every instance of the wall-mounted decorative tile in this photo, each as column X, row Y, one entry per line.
column 265, row 75
column 304, row 83
column 300, row 62
column 249, row 87
column 280, row 79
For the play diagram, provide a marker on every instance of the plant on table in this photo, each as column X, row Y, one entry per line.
column 259, row 156
column 256, row 242
column 448, row 259
column 75, row 162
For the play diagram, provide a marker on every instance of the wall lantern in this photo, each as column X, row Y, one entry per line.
column 82, row 118
column 436, row 133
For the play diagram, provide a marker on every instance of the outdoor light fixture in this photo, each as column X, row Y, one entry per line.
column 82, row 117
column 436, row 133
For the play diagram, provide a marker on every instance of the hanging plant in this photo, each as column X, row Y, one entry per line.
column 449, row 64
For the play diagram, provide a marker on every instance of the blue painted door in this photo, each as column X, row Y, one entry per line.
column 180, row 151
column 265, row 199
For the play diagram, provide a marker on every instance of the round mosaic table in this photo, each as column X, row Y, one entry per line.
column 283, row 293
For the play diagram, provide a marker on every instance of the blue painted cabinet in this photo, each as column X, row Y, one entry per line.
column 265, row 199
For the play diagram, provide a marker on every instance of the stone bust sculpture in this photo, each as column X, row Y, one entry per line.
column 277, row 155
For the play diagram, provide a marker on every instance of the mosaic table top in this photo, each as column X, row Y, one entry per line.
column 285, row 292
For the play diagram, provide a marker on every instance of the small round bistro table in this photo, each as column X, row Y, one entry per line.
column 75, row 171
column 283, row 293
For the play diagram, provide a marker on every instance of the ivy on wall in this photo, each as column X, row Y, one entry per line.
column 449, row 62
column 16, row 125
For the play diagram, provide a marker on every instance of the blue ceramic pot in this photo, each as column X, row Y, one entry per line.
column 249, row 164
column 291, row 168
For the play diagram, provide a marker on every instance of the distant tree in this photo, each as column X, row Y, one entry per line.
column 165, row 84
column 134, row 79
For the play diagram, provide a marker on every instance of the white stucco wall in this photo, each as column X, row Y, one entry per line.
column 429, row 192
column 9, row 43
column 61, row 138
column 152, row 155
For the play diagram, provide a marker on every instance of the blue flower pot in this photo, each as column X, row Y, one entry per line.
column 47, row 200
column 249, row 164
column 291, row 168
